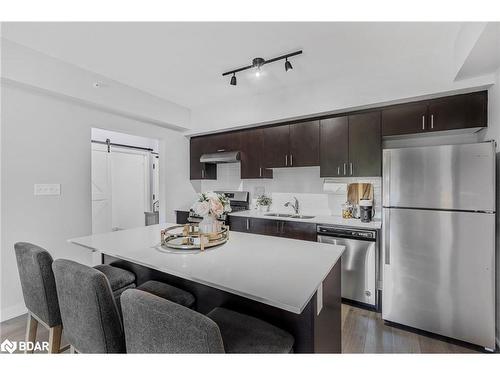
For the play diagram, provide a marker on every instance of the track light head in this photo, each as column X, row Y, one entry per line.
column 288, row 65
column 233, row 80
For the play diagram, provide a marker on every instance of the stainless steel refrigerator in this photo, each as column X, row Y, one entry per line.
column 438, row 240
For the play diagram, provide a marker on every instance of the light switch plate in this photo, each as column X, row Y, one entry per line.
column 47, row 189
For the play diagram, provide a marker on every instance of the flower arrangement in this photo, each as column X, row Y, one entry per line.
column 264, row 200
column 210, row 203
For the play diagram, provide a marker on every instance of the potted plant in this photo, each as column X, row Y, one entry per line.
column 264, row 202
column 211, row 205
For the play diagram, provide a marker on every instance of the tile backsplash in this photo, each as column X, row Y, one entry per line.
column 304, row 183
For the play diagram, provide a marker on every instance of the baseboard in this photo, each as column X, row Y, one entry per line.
column 12, row 312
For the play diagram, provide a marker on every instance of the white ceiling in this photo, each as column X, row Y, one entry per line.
column 484, row 57
column 183, row 62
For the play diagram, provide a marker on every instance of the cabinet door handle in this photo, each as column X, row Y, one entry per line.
column 338, row 170
column 345, row 168
column 286, row 160
column 221, row 150
column 423, row 122
column 277, row 227
column 282, row 227
column 350, row 167
column 291, row 160
column 260, row 172
column 432, row 121
column 248, row 224
column 202, row 173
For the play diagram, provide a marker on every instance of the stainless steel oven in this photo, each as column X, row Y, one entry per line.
column 359, row 261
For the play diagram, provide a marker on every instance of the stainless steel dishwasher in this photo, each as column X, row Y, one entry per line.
column 359, row 261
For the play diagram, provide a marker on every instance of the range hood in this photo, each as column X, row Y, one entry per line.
column 221, row 157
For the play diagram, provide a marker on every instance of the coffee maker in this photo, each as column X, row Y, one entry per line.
column 366, row 211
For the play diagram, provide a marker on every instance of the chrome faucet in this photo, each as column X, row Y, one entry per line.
column 294, row 206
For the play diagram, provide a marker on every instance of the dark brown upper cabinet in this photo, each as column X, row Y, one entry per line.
column 404, row 119
column 276, row 146
column 252, row 159
column 351, row 146
column 459, row 111
column 222, row 142
column 365, row 145
column 197, row 170
column 295, row 145
column 451, row 112
column 334, row 147
column 304, row 144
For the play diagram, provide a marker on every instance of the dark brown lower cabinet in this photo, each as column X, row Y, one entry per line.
column 299, row 230
column 239, row 224
column 270, row 227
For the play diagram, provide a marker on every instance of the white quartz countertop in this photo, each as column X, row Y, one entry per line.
column 281, row 272
column 319, row 219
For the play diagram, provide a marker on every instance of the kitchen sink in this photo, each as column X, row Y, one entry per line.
column 278, row 215
column 274, row 214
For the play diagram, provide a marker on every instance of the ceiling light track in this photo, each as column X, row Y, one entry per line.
column 258, row 62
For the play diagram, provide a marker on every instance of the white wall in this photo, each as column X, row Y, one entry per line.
column 46, row 140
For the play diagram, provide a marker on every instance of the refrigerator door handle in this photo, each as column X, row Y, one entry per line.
column 386, row 177
column 387, row 247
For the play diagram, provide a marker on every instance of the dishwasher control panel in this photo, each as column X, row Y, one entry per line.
column 343, row 232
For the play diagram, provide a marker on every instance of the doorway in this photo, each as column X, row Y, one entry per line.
column 125, row 181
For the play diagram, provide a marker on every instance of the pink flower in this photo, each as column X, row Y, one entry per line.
column 216, row 206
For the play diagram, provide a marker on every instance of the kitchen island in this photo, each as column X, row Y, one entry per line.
column 292, row 284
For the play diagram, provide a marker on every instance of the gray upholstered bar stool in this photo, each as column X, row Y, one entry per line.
column 155, row 325
column 119, row 279
column 91, row 320
column 39, row 292
column 89, row 311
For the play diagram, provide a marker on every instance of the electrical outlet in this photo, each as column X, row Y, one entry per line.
column 47, row 189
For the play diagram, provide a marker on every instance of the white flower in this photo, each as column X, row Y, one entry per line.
column 201, row 208
column 211, row 195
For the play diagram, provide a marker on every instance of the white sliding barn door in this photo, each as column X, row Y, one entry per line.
column 101, row 190
column 120, row 188
column 130, row 187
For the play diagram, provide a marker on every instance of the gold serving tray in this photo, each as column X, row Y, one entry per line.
column 191, row 238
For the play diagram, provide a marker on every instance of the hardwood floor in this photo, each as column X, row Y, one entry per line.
column 363, row 331
column 15, row 330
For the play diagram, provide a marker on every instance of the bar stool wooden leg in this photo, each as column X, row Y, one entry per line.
column 31, row 328
column 55, row 339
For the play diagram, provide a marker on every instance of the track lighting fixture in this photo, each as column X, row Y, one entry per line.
column 257, row 64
